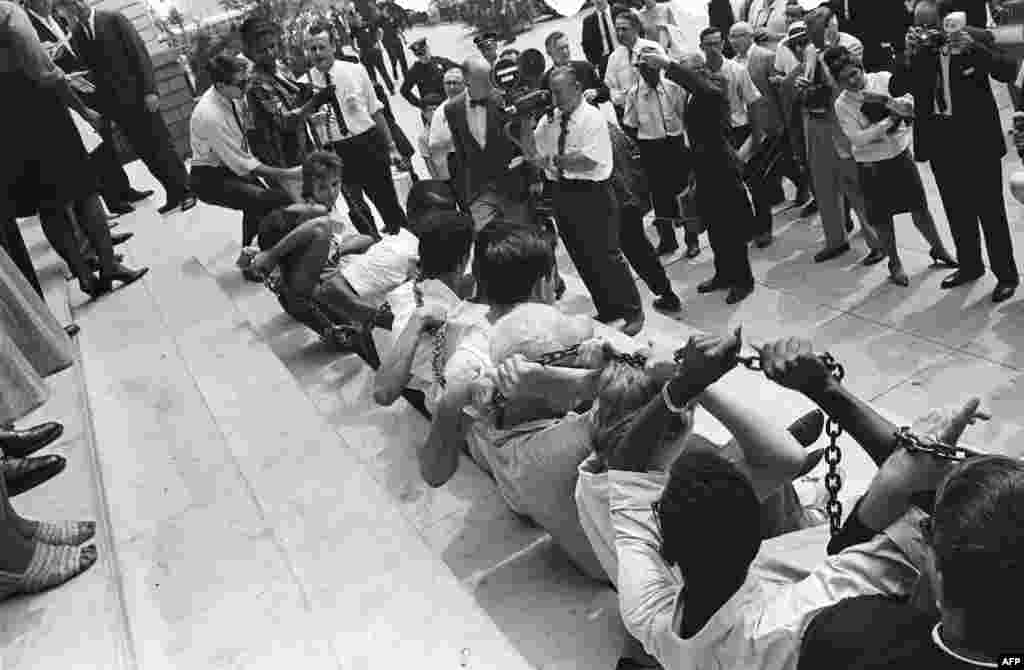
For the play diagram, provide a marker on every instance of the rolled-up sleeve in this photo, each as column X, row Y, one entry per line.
column 648, row 588
column 373, row 104
column 25, row 54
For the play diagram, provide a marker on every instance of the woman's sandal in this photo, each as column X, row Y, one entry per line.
column 63, row 533
column 51, row 566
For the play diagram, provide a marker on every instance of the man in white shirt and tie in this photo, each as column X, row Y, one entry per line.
column 354, row 126
column 599, row 39
column 574, row 148
column 620, row 74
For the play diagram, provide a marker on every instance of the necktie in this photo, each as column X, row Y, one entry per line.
column 241, row 128
column 940, row 88
column 606, row 33
column 562, row 137
column 342, row 126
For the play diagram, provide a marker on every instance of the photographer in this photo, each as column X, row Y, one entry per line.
column 958, row 130
column 881, row 148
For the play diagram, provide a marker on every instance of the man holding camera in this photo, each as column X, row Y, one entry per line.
column 958, row 130
column 574, row 148
column 357, row 128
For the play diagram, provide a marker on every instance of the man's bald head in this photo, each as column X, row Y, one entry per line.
column 741, row 28
column 741, row 37
column 478, row 76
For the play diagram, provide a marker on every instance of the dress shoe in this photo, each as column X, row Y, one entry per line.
column 21, row 443
column 119, row 208
column 959, row 278
column 94, row 263
column 807, row 429
column 668, row 302
column 72, row 329
column 692, row 251
column 762, row 241
column 738, row 294
column 829, row 254
column 105, row 283
column 874, row 257
column 132, row 195
column 942, row 259
column 634, row 323
column 810, row 209
column 899, row 277
column 120, row 238
column 1004, row 291
column 22, row 474
column 184, row 203
column 712, row 285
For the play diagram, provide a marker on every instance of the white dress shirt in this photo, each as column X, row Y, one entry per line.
column 621, row 74
column 871, row 144
column 438, row 153
column 217, row 134
column 587, row 134
column 354, row 91
column 741, row 89
column 655, row 114
column 762, row 624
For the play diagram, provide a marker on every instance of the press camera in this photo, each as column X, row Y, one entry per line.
column 518, row 84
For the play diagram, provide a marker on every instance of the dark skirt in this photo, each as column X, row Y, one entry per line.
column 892, row 186
column 44, row 161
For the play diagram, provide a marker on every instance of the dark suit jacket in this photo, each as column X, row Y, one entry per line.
column 65, row 61
column 480, row 169
column 593, row 45
column 586, row 75
column 974, row 106
column 119, row 61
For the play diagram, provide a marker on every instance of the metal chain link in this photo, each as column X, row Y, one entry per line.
column 440, row 339
column 339, row 335
column 912, row 442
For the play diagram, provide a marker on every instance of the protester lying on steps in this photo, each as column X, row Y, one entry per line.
column 446, row 238
column 704, row 606
column 325, row 261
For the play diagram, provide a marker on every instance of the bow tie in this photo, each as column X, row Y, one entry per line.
column 482, row 102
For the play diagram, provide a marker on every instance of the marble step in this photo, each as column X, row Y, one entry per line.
column 248, row 532
column 82, row 624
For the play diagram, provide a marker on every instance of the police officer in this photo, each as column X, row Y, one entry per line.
column 426, row 74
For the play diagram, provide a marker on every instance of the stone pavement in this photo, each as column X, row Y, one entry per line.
column 258, row 510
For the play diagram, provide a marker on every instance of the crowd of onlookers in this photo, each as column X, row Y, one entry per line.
column 584, row 433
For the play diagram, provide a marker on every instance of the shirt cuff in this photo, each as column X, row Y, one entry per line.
column 906, row 534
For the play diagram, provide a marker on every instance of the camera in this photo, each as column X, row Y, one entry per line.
column 928, row 38
column 517, row 81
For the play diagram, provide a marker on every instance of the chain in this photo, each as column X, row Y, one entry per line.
column 331, row 333
column 440, row 340
column 913, row 442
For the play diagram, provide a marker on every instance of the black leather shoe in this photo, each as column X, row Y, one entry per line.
column 124, row 275
column 960, row 278
column 132, row 195
column 668, row 302
column 21, row 443
column 738, row 294
column 873, row 258
column 120, row 238
column 22, row 474
column 712, row 285
column 1003, row 292
column 829, row 254
column 119, row 208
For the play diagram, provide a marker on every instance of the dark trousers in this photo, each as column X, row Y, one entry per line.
column 373, row 60
column 722, row 203
column 151, row 140
column 222, row 187
column 396, row 53
column 587, row 214
column 640, row 252
column 762, row 191
column 367, row 166
column 14, row 244
column 110, row 174
column 667, row 165
column 971, row 187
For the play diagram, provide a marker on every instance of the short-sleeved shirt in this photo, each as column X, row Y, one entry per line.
column 354, row 91
column 587, row 134
column 655, row 113
column 740, row 89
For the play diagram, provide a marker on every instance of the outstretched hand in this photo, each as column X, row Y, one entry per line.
column 947, row 425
